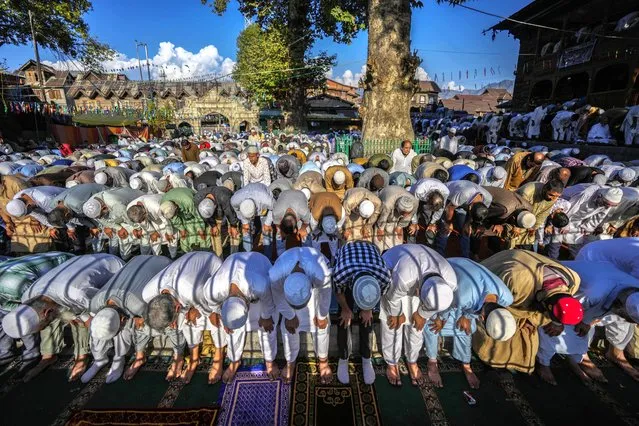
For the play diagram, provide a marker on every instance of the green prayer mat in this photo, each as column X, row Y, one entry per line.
column 193, row 417
column 334, row 404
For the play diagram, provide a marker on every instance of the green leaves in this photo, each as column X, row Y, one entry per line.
column 59, row 26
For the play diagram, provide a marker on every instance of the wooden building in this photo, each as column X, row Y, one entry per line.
column 426, row 96
column 594, row 53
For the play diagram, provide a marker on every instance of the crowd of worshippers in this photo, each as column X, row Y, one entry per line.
column 268, row 235
column 572, row 122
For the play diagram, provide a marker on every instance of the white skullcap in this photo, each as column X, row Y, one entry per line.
column 229, row 184
column 71, row 183
column 16, row 208
column 206, row 208
column 329, row 224
column 575, row 151
column 632, row 306
column 406, row 204
column 253, row 149
column 499, row 173
column 366, row 292
column 297, row 290
column 447, row 164
column 339, row 177
column 234, row 313
column 101, row 178
column 307, row 193
column 500, row 324
column 105, row 324
column 248, row 209
column 22, row 321
column 613, row 196
column 366, row 209
column 600, row 179
column 92, row 208
column 453, row 130
column 236, row 167
column 168, row 209
column 136, row 183
column 99, row 164
column 526, row 220
column 435, row 296
column 627, row 174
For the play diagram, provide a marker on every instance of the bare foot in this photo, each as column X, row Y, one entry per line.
column 619, row 358
column 42, row 365
column 326, row 374
column 79, row 368
column 588, row 367
column 581, row 374
column 215, row 373
column 272, row 370
column 287, row 372
column 228, row 375
column 433, row 374
column 175, row 369
column 471, row 377
column 188, row 373
column 417, row 378
column 545, row 373
column 392, row 374
column 134, row 368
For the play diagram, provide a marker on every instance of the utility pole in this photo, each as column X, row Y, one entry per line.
column 39, row 71
column 148, row 67
column 137, row 51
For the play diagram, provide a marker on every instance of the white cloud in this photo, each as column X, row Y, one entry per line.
column 174, row 62
column 348, row 77
column 452, row 86
column 421, row 74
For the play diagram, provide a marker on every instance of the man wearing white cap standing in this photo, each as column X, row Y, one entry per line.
column 422, row 285
column 480, row 298
column 610, row 298
column 239, row 300
column 360, row 278
column 62, row 297
column 108, row 208
column 398, row 212
column 449, row 142
column 176, row 304
column 256, row 169
column 118, row 312
column 251, row 201
column 588, row 210
column 361, row 208
column 301, row 286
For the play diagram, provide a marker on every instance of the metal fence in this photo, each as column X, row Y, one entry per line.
column 381, row 146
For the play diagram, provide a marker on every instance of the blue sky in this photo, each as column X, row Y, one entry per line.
column 186, row 39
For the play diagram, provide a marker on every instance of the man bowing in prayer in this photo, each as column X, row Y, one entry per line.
column 301, row 287
column 542, row 292
column 422, row 285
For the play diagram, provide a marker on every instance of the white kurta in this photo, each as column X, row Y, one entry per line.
column 424, row 188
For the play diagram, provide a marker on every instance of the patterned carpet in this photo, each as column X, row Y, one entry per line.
column 199, row 417
column 503, row 398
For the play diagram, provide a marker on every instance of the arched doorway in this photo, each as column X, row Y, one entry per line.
column 184, row 129
column 244, row 126
column 572, row 86
column 214, row 122
column 541, row 92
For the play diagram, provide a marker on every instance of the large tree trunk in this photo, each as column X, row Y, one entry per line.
column 390, row 70
column 298, row 40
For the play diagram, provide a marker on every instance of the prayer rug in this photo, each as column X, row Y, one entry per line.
column 197, row 417
column 318, row 404
column 254, row 399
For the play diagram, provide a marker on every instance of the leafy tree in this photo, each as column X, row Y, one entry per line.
column 302, row 22
column 59, row 26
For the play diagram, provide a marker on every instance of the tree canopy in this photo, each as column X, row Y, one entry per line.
column 59, row 26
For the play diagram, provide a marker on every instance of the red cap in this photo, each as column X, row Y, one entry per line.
column 568, row 311
column 205, row 145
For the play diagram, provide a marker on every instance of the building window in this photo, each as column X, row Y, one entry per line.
column 422, row 99
column 572, row 86
column 613, row 77
column 541, row 91
column 55, row 94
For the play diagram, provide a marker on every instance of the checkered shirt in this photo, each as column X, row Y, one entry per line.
column 357, row 257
